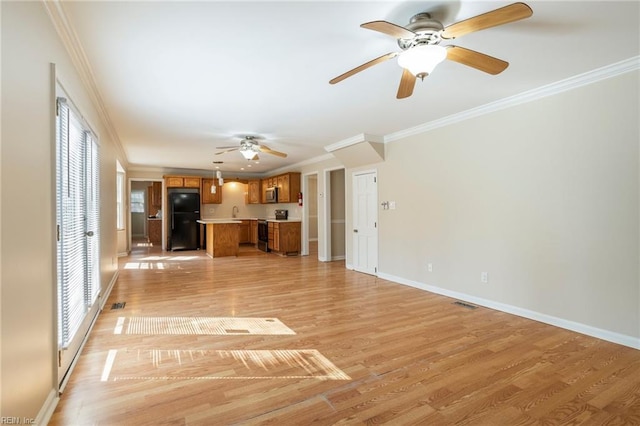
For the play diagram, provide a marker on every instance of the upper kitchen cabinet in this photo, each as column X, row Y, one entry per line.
column 288, row 187
column 206, row 195
column 156, row 194
column 182, row 181
column 264, row 184
column 253, row 192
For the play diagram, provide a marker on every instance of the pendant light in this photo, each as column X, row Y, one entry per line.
column 213, row 185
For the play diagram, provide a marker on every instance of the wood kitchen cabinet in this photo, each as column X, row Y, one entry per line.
column 156, row 195
column 254, row 192
column 182, row 181
column 288, row 185
column 155, row 231
column 283, row 188
column 264, row 184
column 205, row 192
column 270, row 228
column 284, row 237
column 253, row 232
column 244, row 230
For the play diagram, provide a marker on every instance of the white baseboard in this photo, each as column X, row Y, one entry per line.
column 343, row 257
column 123, row 254
column 48, row 408
column 610, row 336
column 107, row 292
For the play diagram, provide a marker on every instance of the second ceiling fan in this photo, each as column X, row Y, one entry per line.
column 249, row 148
column 421, row 50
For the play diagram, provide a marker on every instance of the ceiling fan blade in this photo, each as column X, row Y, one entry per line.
column 363, row 67
column 225, row 151
column 407, row 83
column 268, row 150
column 476, row 60
column 504, row 15
column 388, row 28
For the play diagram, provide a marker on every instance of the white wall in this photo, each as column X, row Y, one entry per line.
column 543, row 196
column 28, row 315
column 311, row 200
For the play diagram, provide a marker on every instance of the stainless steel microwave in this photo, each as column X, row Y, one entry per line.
column 271, row 195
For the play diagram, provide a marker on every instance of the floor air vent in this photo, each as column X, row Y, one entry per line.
column 465, row 305
column 119, row 305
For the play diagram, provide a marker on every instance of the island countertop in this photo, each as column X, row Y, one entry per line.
column 214, row 221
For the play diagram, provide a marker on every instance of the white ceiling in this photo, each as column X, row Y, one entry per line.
column 179, row 79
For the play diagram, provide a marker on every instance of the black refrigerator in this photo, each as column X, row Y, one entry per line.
column 184, row 211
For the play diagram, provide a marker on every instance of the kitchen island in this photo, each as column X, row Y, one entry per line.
column 222, row 237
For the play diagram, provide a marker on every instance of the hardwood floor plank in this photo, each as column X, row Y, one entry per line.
column 412, row 357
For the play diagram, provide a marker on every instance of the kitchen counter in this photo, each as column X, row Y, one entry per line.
column 222, row 236
column 206, row 221
column 239, row 219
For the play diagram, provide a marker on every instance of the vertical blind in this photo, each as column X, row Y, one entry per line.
column 78, row 239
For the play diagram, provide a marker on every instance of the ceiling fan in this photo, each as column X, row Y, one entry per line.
column 249, row 148
column 421, row 50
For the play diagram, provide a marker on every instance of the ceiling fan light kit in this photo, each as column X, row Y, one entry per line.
column 248, row 153
column 422, row 59
column 249, row 148
column 420, row 43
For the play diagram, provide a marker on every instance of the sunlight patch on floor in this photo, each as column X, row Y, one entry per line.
column 162, row 364
column 144, row 244
column 201, row 326
column 144, row 265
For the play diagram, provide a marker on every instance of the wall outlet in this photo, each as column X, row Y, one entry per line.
column 484, row 277
column 430, row 267
column 392, row 205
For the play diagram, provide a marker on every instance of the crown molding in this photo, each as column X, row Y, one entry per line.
column 579, row 80
column 71, row 42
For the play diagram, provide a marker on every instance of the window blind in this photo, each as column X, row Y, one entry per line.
column 77, row 195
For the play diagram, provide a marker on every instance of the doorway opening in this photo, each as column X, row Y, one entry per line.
column 334, row 247
column 145, row 213
column 310, row 226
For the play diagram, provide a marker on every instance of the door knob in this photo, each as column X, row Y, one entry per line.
column 355, row 230
column 89, row 233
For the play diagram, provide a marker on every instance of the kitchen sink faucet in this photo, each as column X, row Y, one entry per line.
column 235, row 211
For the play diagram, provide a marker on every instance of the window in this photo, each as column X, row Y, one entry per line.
column 119, row 196
column 137, row 201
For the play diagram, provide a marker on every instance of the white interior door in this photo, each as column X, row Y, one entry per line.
column 365, row 222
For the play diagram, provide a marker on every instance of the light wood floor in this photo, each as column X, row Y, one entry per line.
column 412, row 357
